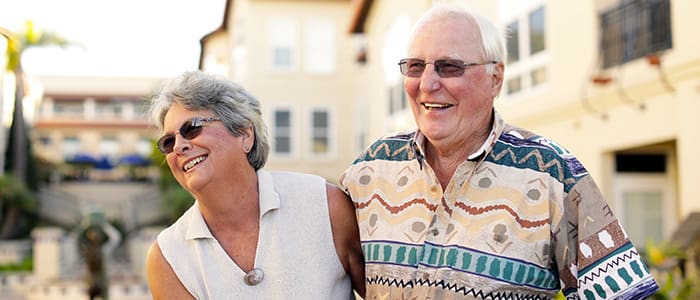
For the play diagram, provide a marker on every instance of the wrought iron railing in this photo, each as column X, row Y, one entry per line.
column 634, row 29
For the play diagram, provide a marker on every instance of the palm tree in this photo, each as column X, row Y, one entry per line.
column 18, row 152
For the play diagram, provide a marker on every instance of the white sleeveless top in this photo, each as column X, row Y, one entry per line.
column 295, row 247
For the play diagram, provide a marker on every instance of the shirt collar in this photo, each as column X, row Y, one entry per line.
column 268, row 197
column 496, row 130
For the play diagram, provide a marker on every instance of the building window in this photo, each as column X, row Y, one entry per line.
column 513, row 85
column 643, row 216
column 397, row 98
column 538, row 76
column 282, row 134
column 68, row 108
column 319, row 46
column 282, row 39
column 320, row 132
column 513, row 42
column 536, row 22
column 139, row 109
column 45, row 140
column 109, row 147
column 70, row 146
column 145, row 147
column 282, row 57
column 108, row 109
column 526, row 46
column 634, row 29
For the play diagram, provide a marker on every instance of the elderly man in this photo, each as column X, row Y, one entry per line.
column 470, row 207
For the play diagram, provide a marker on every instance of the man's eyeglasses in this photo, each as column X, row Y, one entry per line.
column 413, row 67
column 189, row 130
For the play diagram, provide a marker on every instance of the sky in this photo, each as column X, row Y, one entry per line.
column 130, row 38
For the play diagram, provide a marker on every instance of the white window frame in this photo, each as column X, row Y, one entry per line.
column 320, row 39
column 283, row 32
column 520, row 11
column 640, row 182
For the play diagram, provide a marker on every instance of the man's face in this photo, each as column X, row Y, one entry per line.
column 450, row 109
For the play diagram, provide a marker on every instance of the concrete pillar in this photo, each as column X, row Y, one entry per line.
column 47, row 252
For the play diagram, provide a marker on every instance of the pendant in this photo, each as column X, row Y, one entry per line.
column 253, row 277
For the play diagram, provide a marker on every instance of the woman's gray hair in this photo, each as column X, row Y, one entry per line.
column 492, row 39
column 237, row 108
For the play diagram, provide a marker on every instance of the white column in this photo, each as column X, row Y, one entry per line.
column 47, row 252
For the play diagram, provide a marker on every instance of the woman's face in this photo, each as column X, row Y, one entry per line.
column 212, row 154
column 448, row 110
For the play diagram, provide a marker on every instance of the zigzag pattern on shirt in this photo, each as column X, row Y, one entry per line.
column 389, row 150
column 541, row 165
column 396, row 209
column 453, row 287
column 480, row 210
column 603, row 268
column 389, row 282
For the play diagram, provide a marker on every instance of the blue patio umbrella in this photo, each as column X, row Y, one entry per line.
column 82, row 159
column 134, row 160
column 104, row 164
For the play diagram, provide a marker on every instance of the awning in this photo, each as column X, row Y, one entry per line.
column 104, row 164
column 134, row 160
column 82, row 159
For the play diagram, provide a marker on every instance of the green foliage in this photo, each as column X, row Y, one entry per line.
column 25, row 265
column 29, row 37
column 664, row 262
column 18, row 206
column 14, row 193
column 176, row 200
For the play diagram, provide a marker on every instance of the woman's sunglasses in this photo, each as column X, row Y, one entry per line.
column 413, row 67
column 189, row 130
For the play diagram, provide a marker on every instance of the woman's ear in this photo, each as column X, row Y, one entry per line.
column 248, row 139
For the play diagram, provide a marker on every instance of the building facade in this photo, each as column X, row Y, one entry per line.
column 295, row 57
column 614, row 81
column 98, row 120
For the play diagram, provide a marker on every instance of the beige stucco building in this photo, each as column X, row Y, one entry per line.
column 615, row 82
column 296, row 58
column 94, row 116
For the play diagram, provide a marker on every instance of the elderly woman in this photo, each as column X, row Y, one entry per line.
column 251, row 233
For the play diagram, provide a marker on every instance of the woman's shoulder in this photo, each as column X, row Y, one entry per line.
column 283, row 176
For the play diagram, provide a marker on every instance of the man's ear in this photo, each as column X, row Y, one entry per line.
column 497, row 76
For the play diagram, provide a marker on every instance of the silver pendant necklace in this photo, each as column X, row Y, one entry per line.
column 253, row 277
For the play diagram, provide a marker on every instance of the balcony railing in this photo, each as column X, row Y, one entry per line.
column 634, row 29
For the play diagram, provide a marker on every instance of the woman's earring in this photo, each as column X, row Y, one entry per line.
column 246, row 148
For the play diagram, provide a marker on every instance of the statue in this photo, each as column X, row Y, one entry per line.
column 97, row 239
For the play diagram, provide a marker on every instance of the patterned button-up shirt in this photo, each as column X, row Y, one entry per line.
column 520, row 219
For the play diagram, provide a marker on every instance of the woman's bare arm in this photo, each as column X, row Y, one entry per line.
column 162, row 280
column 346, row 236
